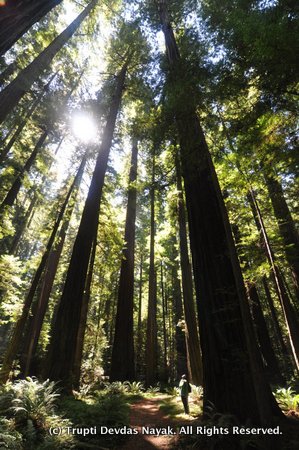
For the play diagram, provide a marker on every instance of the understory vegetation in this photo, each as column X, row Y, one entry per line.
column 34, row 414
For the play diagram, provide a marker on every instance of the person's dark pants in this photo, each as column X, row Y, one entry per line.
column 185, row 403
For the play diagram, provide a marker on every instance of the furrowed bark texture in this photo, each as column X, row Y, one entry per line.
column 232, row 368
column 122, row 362
column 191, row 330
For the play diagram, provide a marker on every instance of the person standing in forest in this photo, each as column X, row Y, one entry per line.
column 185, row 389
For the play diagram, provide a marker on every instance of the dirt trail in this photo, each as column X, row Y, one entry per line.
column 146, row 413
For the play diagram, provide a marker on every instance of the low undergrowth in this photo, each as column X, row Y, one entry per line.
column 34, row 415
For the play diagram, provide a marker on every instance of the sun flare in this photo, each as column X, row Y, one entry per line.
column 84, row 128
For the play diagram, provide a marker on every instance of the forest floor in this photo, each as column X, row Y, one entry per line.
column 146, row 414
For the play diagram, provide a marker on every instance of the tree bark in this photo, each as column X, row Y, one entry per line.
column 232, row 368
column 11, row 95
column 17, row 184
column 191, row 330
column 139, row 323
column 287, row 308
column 272, row 366
column 151, row 356
column 286, row 226
column 16, row 338
column 165, row 337
column 83, row 319
column 8, row 71
column 62, row 348
column 285, row 351
column 17, row 16
column 39, row 311
column 122, row 362
column 24, row 121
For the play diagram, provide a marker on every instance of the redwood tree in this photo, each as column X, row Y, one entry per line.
column 122, row 362
column 232, row 367
column 62, row 350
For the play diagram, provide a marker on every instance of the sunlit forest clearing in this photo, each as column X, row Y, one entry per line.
column 149, row 224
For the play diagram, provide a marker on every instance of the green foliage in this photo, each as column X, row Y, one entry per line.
column 134, row 387
column 287, row 399
column 104, row 409
column 152, row 390
column 33, row 400
column 10, row 438
column 173, row 391
column 116, row 388
column 27, row 414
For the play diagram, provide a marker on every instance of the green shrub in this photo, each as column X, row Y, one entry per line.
column 153, row 389
column 115, row 388
column 33, row 400
column 287, row 399
column 134, row 387
column 9, row 437
column 28, row 407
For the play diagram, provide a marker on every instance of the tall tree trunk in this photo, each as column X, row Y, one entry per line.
column 11, row 95
column 286, row 226
column 287, row 307
column 16, row 338
column 285, row 352
column 164, row 317
column 182, row 363
column 232, row 368
column 139, row 323
column 151, row 356
column 61, row 354
column 8, row 71
column 27, row 219
column 269, row 356
column 17, row 184
column 24, row 121
column 83, row 319
column 122, row 362
column 191, row 330
column 39, row 311
column 17, row 16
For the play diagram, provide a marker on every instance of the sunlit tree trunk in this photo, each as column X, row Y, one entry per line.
column 11, row 95
column 151, row 356
column 61, row 354
column 287, row 308
column 286, row 226
column 17, row 184
column 40, row 307
column 182, row 358
column 15, row 341
column 24, row 121
column 139, row 322
column 191, row 330
column 83, row 319
column 232, row 368
column 164, row 318
column 122, row 362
